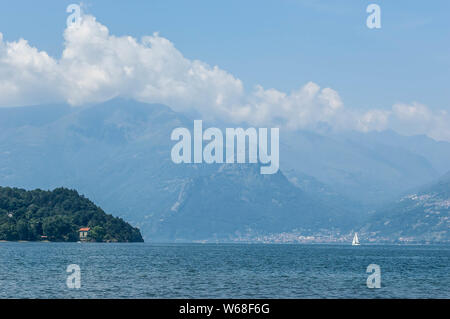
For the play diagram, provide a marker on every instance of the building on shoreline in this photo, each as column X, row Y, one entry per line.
column 84, row 232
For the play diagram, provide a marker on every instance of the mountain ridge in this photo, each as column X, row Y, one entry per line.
column 118, row 154
column 420, row 216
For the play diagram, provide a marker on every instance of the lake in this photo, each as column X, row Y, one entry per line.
column 141, row 270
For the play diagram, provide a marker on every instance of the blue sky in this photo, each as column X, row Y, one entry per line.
column 279, row 44
column 315, row 61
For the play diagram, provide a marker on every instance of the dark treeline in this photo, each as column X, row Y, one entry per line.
column 58, row 214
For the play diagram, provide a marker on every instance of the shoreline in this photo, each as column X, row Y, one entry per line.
column 372, row 244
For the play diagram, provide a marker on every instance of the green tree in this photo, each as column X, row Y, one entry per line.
column 97, row 233
column 58, row 214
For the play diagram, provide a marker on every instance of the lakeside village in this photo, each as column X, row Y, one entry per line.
column 324, row 236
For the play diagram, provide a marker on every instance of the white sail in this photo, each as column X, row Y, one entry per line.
column 355, row 241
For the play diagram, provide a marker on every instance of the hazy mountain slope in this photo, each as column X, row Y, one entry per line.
column 355, row 209
column 235, row 200
column 437, row 153
column 420, row 216
column 366, row 171
column 32, row 115
column 118, row 154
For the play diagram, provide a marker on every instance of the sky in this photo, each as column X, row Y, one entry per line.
column 293, row 63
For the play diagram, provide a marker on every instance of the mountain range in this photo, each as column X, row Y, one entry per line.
column 420, row 216
column 117, row 153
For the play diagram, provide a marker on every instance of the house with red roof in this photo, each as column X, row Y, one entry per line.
column 84, row 232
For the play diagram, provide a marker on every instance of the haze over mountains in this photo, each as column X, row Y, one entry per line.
column 421, row 215
column 117, row 153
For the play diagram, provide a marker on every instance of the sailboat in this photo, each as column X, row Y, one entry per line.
column 355, row 241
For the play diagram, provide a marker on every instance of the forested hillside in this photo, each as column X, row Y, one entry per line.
column 58, row 215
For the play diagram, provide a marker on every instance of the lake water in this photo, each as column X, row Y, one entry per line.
column 38, row 270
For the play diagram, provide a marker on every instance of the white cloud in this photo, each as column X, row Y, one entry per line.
column 408, row 119
column 303, row 108
column 373, row 120
column 419, row 119
column 26, row 74
column 96, row 66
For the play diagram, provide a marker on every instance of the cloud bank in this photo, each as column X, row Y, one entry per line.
column 96, row 66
